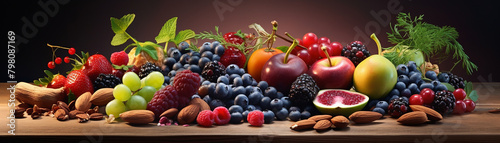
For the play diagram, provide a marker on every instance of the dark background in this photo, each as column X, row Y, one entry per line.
column 85, row 25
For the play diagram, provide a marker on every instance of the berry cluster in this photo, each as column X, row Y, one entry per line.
column 356, row 52
column 58, row 60
column 313, row 51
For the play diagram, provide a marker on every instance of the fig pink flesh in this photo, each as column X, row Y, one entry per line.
column 339, row 97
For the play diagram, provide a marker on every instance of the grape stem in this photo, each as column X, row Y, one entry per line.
column 294, row 44
column 374, row 37
column 323, row 48
column 54, row 50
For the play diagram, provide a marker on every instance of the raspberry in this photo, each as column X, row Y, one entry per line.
column 163, row 99
column 222, row 115
column 183, row 102
column 186, row 83
column 119, row 58
column 255, row 118
column 205, row 118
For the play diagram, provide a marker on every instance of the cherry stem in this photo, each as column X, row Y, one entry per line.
column 374, row 37
column 294, row 44
column 288, row 40
column 323, row 48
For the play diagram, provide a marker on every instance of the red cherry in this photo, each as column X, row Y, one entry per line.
column 51, row 65
column 459, row 94
column 313, row 51
column 323, row 40
column 58, row 60
column 309, row 39
column 66, row 59
column 470, row 105
column 460, row 107
column 328, row 49
column 304, row 55
column 427, row 95
column 337, row 48
column 71, row 51
column 416, row 99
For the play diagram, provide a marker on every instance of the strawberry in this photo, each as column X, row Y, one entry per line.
column 93, row 66
column 78, row 82
column 51, row 80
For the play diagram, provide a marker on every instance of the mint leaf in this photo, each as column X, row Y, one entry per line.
column 119, row 39
column 473, row 95
column 282, row 48
column 119, row 26
column 167, row 32
column 449, row 87
column 468, row 87
column 183, row 36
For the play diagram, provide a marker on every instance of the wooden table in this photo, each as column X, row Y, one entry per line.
column 479, row 126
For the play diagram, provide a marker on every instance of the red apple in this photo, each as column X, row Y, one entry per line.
column 338, row 75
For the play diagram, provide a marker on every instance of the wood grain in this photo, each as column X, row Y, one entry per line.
column 479, row 126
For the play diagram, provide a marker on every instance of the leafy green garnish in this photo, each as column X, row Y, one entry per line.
column 45, row 80
column 411, row 35
column 469, row 90
column 167, row 33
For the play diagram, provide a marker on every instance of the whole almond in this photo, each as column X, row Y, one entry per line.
column 320, row 117
column 72, row 114
column 102, row 96
column 138, row 116
column 188, row 114
column 170, row 113
column 83, row 116
column 60, row 115
column 82, row 103
column 203, row 105
column 322, row 125
column 432, row 114
column 413, row 118
column 340, row 121
column 96, row 116
column 363, row 117
column 303, row 125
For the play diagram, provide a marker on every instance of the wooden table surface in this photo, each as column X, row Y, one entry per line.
column 479, row 126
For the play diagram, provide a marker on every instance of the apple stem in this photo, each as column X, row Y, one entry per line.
column 377, row 42
column 323, row 48
column 290, row 50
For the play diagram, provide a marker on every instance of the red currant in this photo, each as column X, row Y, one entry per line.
column 51, row 65
column 323, row 40
column 460, row 107
column 66, row 59
column 328, row 49
column 427, row 95
column 337, row 48
column 71, row 51
column 313, row 51
column 309, row 39
column 470, row 105
column 459, row 94
column 416, row 99
column 58, row 60
column 304, row 55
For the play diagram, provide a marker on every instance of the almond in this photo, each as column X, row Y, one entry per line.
column 322, row 125
column 170, row 113
column 82, row 103
column 72, row 114
column 303, row 125
column 102, row 96
column 362, row 117
column 432, row 114
column 340, row 121
column 84, row 116
column 320, row 117
column 96, row 116
column 188, row 114
column 204, row 105
column 138, row 116
column 59, row 114
column 413, row 118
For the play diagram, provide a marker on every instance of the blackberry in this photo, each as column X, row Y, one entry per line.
column 444, row 102
column 356, row 52
column 148, row 68
column 213, row 70
column 456, row 81
column 106, row 81
column 303, row 91
column 398, row 107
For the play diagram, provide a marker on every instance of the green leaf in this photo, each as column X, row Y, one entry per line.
column 49, row 74
column 37, row 82
column 468, row 87
column 449, row 87
column 119, row 39
column 473, row 95
column 167, row 32
column 183, row 36
column 282, row 48
column 71, row 96
column 119, row 26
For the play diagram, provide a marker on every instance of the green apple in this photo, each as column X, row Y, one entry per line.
column 375, row 77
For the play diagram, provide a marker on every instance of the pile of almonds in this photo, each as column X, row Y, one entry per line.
column 325, row 122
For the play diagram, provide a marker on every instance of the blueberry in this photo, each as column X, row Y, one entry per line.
column 228, row 103
column 257, row 89
column 242, row 71
column 245, row 114
column 435, row 83
column 393, row 97
column 195, row 96
column 241, row 100
column 203, row 61
column 305, row 115
column 194, row 60
column 262, row 85
column 382, row 104
column 177, row 66
column 221, row 91
column 219, row 50
column 426, row 85
column 216, row 57
column 282, row 114
column 394, row 92
column 235, row 108
column 279, row 95
column 166, row 80
column 207, row 54
column 171, row 73
column 379, row 110
column 406, row 93
column 271, row 92
column 431, row 75
column 311, row 109
column 294, row 115
column 216, row 103
column 371, row 104
column 194, row 68
column 254, row 82
column 207, row 99
column 412, row 66
column 206, row 82
column 443, row 77
column 268, row 117
column 412, row 72
column 232, row 69
column 238, row 90
column 185, row 66
column 414, row 88
column 247, row 79
column 211, row 89
column 265, row 103
column 249, row 89
column 286, row 102
column 223, row 79
column 250, row 108
column 415, row 78
column 294, row 108
column 232, row 76
column 255, row 98
column 404, row 79
column 440, row 87
column 400, row 86
column 402, row 69
column 276, row 105
column 183, row 47
column 205, row 47
column 236, row 118
column 176, row 54
column 169, row 51
column 169, row 62
column 237, row 81
column 193, row 53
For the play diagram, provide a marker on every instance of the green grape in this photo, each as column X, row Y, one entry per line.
column 131, row 80
column 115, row 107
column 155, row 79
column 122, row 92
column 147, row 92
column 143, row 82
column 136, row 102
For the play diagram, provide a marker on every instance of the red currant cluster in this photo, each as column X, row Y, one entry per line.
column 313, row 51
column 58, row 60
